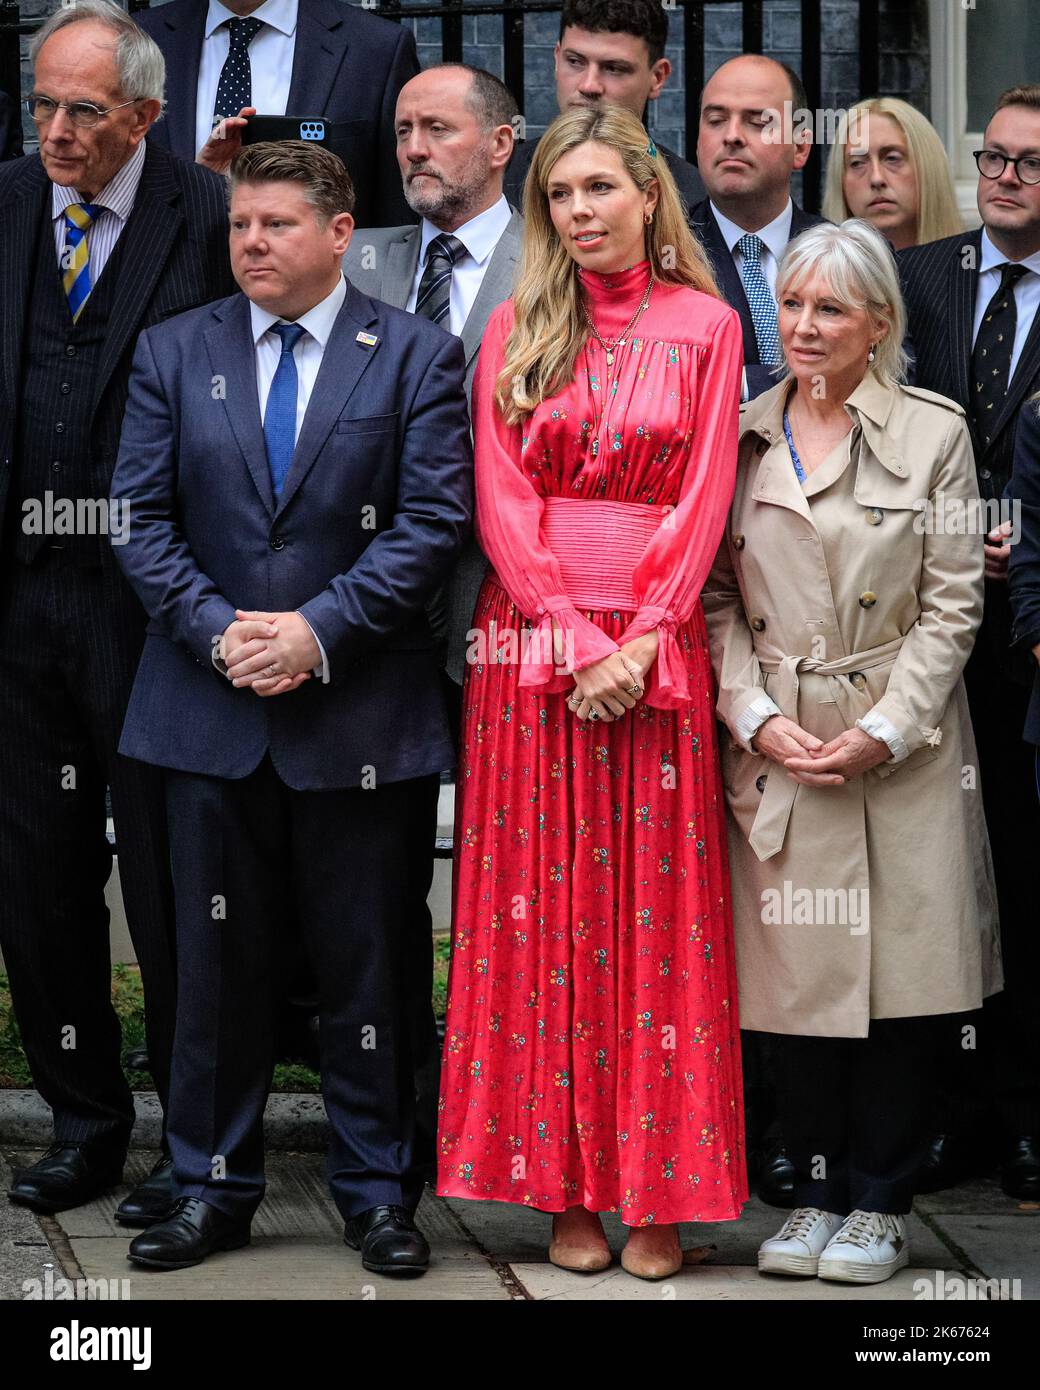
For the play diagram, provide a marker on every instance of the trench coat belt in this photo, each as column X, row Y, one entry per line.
column 770, row 825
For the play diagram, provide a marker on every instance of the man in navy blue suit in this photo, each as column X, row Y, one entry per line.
column 295, row 467
column 290, row 57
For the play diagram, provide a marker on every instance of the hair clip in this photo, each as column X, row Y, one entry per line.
column 651, row 150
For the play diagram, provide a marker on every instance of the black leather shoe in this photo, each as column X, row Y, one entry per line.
column 776, row 1176
column 137, row 1059
column 150, row 1200
column 950, row 1161
column 1020, row 1175
column 68, row 1175
column 192, row 1230
column 389, row 1241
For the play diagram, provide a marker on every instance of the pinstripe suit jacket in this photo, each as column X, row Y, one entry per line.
column 175, row 258
column 940, row 281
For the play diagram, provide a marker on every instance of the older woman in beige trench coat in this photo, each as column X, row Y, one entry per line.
column 841, row 611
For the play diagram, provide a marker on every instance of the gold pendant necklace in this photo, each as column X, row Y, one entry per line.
column 611, row 346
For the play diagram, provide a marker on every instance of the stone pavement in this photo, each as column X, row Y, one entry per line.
column 490, row 1251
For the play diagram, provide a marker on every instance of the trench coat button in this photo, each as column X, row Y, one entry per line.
column 760, row 783
column 758, row 624
column 875, row 516
column 738, row 541
column 761, row 447
column 867, row 598
column 859, row 680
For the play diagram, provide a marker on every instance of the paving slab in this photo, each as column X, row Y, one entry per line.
column 1002, row 1247
column 25, row 1255
column 705, row 1282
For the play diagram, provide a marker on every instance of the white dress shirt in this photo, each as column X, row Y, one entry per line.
column 1027, row 294
column 307, row 355
column 480, row 235
column 117, row 198
column 270, row 60
column 774, row 236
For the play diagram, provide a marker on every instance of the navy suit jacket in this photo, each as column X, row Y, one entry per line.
column 348, row 66
column 374, row 510
column 709, row 234
column 1024, row 565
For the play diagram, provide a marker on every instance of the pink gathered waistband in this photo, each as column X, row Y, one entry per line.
column 598, row 545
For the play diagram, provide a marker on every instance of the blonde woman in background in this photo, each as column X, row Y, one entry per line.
column 592, row 1057
column 888, row 166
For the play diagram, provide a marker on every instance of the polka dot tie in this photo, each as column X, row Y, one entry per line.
column 991, row 356
column 235, row 88
column 760, row 299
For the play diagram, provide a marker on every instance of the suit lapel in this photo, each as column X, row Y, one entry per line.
column 183, row 52
column 20, row 220
column 727, row 275
column 321, row 43
column 1022, row 382
column 342, row 366
column 402, row 258
column 232, row 357
column 144, row 248
column 963, row 286
column 496, row 285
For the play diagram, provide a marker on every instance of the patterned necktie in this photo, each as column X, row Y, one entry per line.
column 280, row 415
column 991, row 357
column 235, row 88
column 434, row 297
column 760, row 300
column 75, row 262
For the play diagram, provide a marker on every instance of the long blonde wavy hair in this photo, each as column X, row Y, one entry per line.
column 549, row 328
column 937, row 214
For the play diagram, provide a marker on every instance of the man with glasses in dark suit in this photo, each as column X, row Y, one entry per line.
column 101, row 235
column 972, row 304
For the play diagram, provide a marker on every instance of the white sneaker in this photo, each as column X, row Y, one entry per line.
column 797, row 1246
column 868, row 1249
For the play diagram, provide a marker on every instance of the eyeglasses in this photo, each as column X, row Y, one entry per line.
column 81, row 113
column 992, row 164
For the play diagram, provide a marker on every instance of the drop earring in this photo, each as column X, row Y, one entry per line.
column 872, row 353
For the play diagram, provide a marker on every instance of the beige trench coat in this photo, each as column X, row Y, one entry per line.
column 842, row 597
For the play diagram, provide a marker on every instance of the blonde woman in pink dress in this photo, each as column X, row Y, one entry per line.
column 592, row 1055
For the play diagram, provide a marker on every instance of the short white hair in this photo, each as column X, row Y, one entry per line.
column 139, row 60
column 857, row 263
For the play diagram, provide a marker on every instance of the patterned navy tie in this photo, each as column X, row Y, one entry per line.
column 280, row 415
column 991, row 355
column 235, row 88
column 434, row 299
column 760, row 299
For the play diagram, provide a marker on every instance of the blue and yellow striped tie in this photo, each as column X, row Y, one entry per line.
column 76, row 277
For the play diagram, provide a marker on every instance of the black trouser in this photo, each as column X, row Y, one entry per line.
column 1010, row 1033
column 251, row 858
column 852, row 1111
column 70, row 639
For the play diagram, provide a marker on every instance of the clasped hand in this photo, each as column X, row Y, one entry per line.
column 615, row 684
column 811, row 761
column 271, row 653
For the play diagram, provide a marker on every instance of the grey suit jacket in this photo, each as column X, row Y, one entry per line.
column 381, row 262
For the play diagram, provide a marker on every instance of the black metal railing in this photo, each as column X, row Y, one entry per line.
column 451, row 14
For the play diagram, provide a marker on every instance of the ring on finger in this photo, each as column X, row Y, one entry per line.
column 593, row 714
column 635, row 690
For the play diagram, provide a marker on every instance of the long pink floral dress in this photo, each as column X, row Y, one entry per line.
column 592, row 1052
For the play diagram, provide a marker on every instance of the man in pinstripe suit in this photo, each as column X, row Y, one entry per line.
column 973, row 309
column 100, row 237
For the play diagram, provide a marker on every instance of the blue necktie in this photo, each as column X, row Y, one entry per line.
column 760, row 300
column 280, row 415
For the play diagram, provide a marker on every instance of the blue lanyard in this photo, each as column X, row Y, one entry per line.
column 799, row 470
